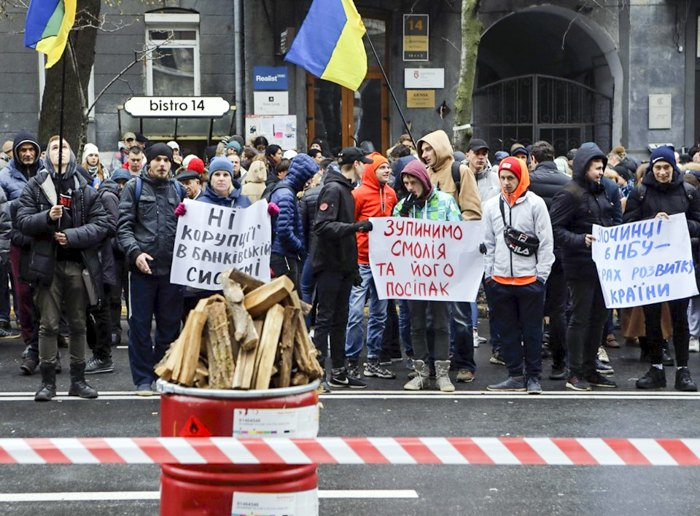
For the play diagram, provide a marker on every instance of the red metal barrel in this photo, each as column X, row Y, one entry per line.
column 244, row 489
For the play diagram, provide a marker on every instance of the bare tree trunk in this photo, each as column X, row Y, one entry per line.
column 471, row 36
column 80, row 54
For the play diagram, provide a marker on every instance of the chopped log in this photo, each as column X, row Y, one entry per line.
column 192, row 340
column 294, row 301
column 251, row 337
column 232, row 290
column 286, row 347
column 262, row 298
column 200, row 376
column 248, row 283
column 300, row 379
column 305, row 352
column 232, row 333
column 219, row 348
column 245, row 366
column 267, row 347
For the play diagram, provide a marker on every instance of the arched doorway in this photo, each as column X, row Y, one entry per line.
column 548, row 73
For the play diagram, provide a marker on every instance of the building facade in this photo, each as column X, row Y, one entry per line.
column 612, row 71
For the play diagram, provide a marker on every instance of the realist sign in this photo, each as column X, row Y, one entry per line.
column 426, row 260
column 211, row 239
column 644, row 262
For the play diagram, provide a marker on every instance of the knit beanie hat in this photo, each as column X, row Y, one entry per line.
column 221, row 163
column 195, row 165
column 90, row 148
column 513, row 165
column 159, row 149
column 663, row 153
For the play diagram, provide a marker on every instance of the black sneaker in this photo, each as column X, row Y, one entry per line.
column 684, row 382
column 559, row 372
column 598, row 380
column 340, row 380
column 29, row 365
column 8, row 333
column 99, row 365
column 574, row 383
column 654, row 378
column 373, row 369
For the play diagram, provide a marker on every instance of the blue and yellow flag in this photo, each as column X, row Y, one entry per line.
column 329, row 43
column 48, row 24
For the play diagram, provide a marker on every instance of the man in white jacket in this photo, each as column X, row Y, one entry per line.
column 519, row 257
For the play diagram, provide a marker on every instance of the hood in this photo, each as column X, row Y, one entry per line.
column 586, row 152
column 369, row 177
column 257, row 173
column 650, row 181
column 517, row 167
column 439, row 141
column 25, row 137
column 110, row 186
column 417, row 169
column 70, row 170
column 301, row 169
column 222, row 201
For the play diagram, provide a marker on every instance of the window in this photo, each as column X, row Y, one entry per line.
column 174, row 68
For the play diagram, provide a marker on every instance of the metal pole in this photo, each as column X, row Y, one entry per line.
column 238, row 65
column 391, row 90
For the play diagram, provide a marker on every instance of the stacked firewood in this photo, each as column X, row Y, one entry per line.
column 252, row 337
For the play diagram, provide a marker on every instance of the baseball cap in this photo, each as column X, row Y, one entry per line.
column 129, row 136
column 173, row 145
column 477, row 144
column 350, row 155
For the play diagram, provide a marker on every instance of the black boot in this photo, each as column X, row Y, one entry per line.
column 48, row 382
column 684, row 382
column 29, row 364
column 78, row 385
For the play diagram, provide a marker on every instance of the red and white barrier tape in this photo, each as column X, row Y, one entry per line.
column 370, row 450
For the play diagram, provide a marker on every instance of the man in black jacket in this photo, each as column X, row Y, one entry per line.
column 661, row 193
column 67, row 222
column 147, row 226
column 574, row 210
column 546, row 181
column 335, row 261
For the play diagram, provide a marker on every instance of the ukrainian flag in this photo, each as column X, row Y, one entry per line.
column 329, row 43
column 48, row 24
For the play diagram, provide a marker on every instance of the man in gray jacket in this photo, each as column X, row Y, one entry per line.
column 519, row 258
column 146, row 233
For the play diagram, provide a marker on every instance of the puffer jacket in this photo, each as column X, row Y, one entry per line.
column 546, row 181
column 528, row 215
column 289, row 239
column 574, row 210
column 468, row 198
column 671, row 198
column 15, row 176
column 5, row 228
column 86, row 227
column 149, row 226
column 371, row 200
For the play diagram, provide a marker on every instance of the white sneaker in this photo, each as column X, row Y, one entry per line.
column 603, row 355
column 694, row 345
column 478, row 340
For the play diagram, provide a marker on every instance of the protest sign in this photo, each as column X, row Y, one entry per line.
column 644, row 262
column 428, row 260
column 211, row 239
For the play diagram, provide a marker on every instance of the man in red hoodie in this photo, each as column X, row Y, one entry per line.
column 374, row 198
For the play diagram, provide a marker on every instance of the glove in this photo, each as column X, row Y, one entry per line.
column 272, row 209
column 363, row 227
column 408, row 203
column 180, row 210
column 357, row 280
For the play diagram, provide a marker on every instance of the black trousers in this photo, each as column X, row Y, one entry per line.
column 99, row 327
column 391, row 344
column 286, row 266
column 333, row 299
column 555, row 307
column 586, row 324
column 679, row 320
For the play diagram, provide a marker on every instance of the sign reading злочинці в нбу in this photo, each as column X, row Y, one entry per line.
column 177, row 107
column 644, row 262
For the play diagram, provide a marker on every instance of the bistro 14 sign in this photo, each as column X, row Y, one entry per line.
column 205, row 107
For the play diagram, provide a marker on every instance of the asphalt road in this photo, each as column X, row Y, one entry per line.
column 382, row 410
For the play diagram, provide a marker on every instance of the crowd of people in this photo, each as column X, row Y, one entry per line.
column 79, row 240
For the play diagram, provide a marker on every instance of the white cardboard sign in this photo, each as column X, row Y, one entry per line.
column 211, row 239
column 644, row 262
column 426, row 260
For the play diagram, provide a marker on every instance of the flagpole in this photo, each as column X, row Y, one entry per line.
column 60, row 133
column 391, row 90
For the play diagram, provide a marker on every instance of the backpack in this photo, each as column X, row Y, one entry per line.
column 457, row 174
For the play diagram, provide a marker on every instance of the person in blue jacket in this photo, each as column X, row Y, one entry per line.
column 223, row 190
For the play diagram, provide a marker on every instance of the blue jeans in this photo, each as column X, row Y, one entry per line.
column 462, row 336
column 308, row 285
column 519, row 324
column 375, row 322
column 151, row 296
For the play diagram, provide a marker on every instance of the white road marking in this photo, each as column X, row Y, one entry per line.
column 424, row 395
column 95, row 496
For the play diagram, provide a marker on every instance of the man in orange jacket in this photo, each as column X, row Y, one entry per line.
column 374, row 198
